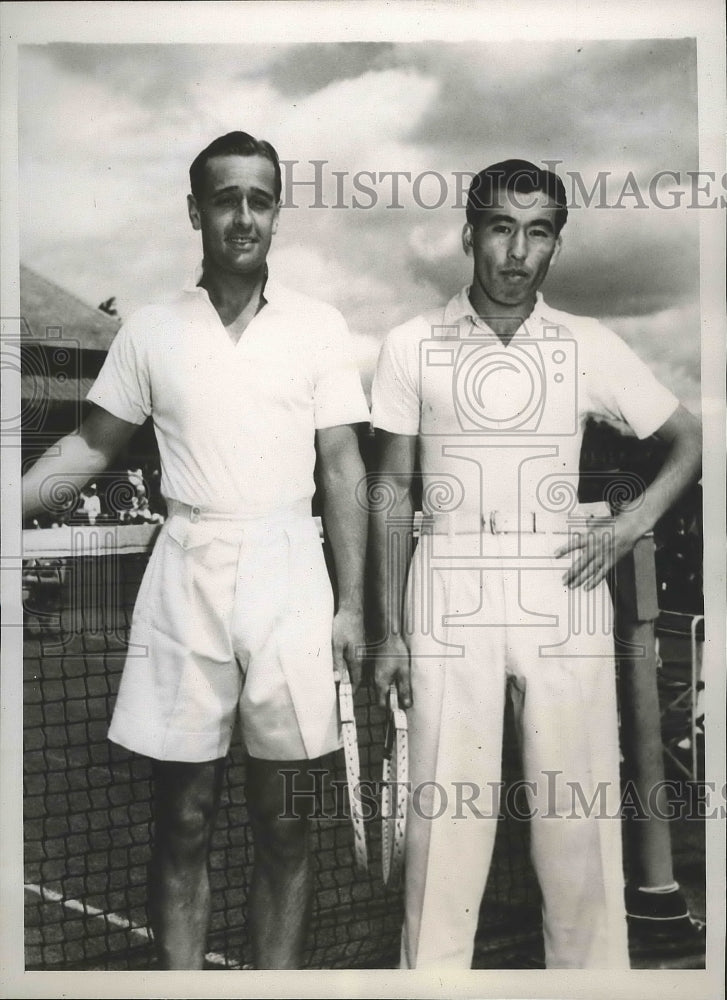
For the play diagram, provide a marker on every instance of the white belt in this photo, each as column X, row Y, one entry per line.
column 191, row 525
column 196, row 513
column 536, row 522
column 528, row 522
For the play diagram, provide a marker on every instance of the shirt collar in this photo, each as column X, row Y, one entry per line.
column 272, row 291
column 191, row 284
column 460, row 308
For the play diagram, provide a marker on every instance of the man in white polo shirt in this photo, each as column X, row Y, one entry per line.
column 492, row 392
column 248, row 384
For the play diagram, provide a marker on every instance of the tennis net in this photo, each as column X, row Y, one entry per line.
column 88, row 819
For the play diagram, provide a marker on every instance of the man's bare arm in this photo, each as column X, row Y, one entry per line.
column 682, row 467
column 392, row 500
column 341, row 470
column 76, row 457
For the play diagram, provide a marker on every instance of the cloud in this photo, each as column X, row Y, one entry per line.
column 669, row 342
column 610, row 265
column 606, row 102
column 161, row 77
column 108, row 131
column 303, row 69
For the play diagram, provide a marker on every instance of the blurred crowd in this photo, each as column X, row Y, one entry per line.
column 130, row 496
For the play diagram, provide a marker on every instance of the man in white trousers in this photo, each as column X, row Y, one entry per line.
column 507, row 587
column 248, row 385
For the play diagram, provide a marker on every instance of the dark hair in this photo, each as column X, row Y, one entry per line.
column 519, row 177
column 233, row 144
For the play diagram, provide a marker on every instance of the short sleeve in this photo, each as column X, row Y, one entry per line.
column 395, row 391
column 624, row 388
column 338, row 396
column 123, row 386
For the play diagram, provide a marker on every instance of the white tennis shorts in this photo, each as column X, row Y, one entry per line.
column 232, row 618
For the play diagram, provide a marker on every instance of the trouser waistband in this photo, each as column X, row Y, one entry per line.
column 196, row 513
column 497, row 522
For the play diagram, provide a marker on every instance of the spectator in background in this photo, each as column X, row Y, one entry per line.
column 90, row 504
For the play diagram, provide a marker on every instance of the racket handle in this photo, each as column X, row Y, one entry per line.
column 398, row 714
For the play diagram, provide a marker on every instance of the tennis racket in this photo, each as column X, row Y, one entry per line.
column 353, row 769
column 394, row 789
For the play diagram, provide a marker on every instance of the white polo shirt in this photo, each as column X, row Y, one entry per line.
column 502, row 427
column 235, row 423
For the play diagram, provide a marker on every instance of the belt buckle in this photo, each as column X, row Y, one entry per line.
column 195, row 514
column 506, row 522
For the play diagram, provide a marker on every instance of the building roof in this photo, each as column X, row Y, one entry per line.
column 45, row 306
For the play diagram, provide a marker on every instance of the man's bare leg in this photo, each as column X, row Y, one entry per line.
column 186, row 798
column 282, row 884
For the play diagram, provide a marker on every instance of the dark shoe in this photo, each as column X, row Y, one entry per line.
column 662, row 916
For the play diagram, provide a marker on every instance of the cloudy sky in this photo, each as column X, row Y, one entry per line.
column 107, row 132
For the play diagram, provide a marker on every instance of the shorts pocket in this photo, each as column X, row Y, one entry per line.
column 307, row 570
column 189, row 535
